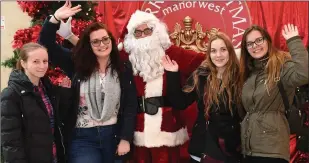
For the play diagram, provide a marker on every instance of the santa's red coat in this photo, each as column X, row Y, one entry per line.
column 166, row 128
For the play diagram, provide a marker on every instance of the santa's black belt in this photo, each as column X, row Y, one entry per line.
column 151, row 105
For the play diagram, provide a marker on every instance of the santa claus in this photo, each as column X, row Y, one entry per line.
column 159, row 131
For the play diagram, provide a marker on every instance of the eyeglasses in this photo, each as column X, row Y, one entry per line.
column 105, row 41
column 258, row 41
column 146, row 31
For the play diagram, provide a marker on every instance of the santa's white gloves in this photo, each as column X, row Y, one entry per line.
column 65, row 29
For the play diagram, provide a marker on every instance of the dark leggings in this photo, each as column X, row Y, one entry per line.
column 252, row 159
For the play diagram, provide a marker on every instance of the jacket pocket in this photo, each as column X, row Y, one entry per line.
column 266, row 128
column 266, row 136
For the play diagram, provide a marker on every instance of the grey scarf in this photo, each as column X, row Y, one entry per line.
column 102, row 105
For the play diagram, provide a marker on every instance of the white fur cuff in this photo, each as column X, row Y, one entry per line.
column 163, row 138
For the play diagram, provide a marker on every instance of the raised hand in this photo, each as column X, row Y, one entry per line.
column 67, row 10
column 289, row 31
column 168, row 64
column 66, row 82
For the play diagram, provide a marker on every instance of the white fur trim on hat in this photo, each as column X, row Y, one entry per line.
column 138, row 18
column 120, row 46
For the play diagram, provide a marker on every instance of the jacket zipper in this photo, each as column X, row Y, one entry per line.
column 56, row 113
column 61, row 139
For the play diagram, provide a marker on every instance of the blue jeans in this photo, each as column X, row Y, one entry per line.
column 93, row 145
column 118, row 161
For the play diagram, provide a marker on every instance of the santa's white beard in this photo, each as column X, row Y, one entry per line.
column 146, row 55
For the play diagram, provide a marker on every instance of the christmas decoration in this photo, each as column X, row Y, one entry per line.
column 23, row 36
column 303, row 157
column 55, row 75
column 79, row 25
column 38, row 11
column 11, row 62
column 32, row 8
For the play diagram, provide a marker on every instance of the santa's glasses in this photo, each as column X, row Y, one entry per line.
column 105, row 41
column 146, row 31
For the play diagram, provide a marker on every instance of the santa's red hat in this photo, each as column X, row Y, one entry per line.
column 136, row 19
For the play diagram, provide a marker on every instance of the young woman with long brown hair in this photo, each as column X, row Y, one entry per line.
column 216, row 87
column 265, row 129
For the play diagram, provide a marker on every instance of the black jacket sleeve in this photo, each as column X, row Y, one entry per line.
column 58, row 55
column 129, row 106
column 179, row 100
column 65, row 112
column 11, row 128
column 65, row 96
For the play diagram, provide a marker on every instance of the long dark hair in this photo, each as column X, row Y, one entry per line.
column 85, row 60
column 274, row 63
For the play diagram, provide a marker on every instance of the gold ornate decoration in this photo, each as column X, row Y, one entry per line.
column 191, row 39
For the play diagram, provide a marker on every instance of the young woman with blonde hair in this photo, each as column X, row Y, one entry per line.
column 33, row 111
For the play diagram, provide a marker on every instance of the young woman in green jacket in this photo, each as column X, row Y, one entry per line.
column 265, row 130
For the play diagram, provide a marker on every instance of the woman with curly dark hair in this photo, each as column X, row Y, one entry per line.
column 105, row 102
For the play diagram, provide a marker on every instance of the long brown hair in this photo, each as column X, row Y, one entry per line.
column 231, row 83
column 85, row 60
column 23, row 53
column 275, row 61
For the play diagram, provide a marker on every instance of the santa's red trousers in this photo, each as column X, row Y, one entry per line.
column 156, row 155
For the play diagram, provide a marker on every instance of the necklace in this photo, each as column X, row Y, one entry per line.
column 102, row 74
column 102, row 79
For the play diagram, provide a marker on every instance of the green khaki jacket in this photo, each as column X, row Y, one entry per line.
column 265, row 130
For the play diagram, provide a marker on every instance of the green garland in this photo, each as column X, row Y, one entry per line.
column 11, row 62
